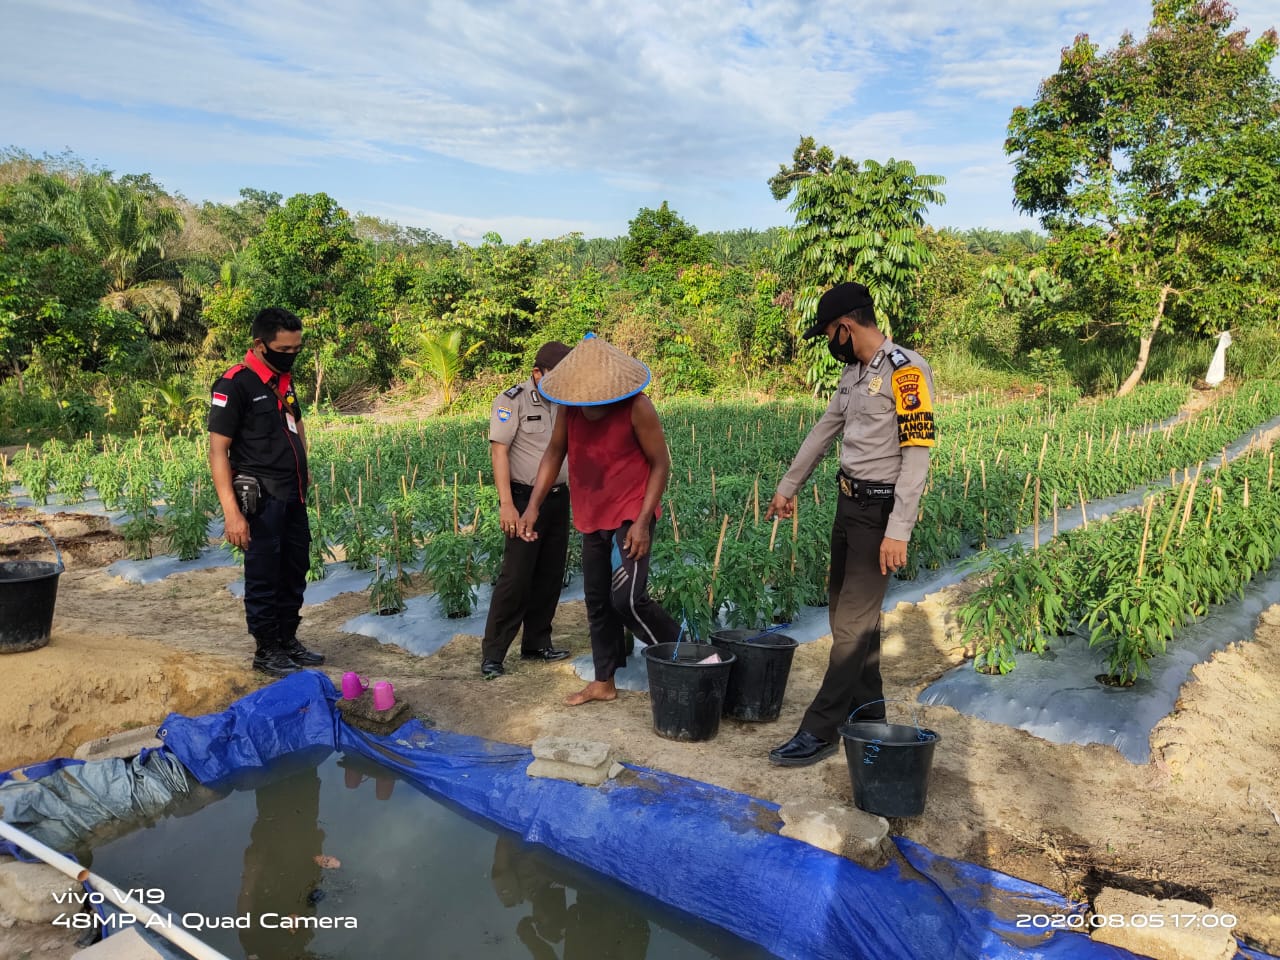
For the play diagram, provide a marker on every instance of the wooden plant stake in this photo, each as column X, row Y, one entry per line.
column 1173, row 515
column 795, row 533
column 1191, row 496
column 1035, row 529
column 715, row 566
column 1147, row 509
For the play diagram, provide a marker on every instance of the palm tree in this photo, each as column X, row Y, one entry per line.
column 441, row 358
column 129, row 234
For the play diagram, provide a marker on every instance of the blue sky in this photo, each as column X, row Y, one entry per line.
column 536, row 118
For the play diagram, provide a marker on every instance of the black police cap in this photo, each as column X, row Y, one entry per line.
column 840, row 301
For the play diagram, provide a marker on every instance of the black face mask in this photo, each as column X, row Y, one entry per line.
column 283, row 362
column 842, row 351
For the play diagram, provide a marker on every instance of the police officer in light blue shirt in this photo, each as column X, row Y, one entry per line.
column 528, row 587
column 882, row 411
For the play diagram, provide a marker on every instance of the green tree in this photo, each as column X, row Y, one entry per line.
column 662, row 238
column 236, row 224
column 308, row 259
column 128, row 228
column 50, row 306
column 498, row 305
column 125, row 226
column 1155, row 166
column 854, row 222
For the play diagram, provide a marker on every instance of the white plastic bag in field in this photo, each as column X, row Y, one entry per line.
column 1218, row 365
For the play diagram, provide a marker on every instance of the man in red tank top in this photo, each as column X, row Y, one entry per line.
column 618, row 469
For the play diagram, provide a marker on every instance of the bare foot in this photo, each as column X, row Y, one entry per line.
column 595, row 690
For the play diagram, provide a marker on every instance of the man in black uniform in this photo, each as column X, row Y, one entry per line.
column 258, row 458
column 882, row 411
column 528, row 588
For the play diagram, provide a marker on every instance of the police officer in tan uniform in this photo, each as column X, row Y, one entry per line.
column 528, row 587
column 883, row 412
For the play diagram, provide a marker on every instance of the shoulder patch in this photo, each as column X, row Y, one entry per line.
column 898, row 359
column 914, row 406
column 504, row 414
column 514, row 391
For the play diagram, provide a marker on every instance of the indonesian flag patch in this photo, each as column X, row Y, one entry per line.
column 219, row 400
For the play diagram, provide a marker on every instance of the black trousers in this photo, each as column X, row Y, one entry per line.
column 275, row 568
column 528, row 587
column 617, row 598
column 857, row 593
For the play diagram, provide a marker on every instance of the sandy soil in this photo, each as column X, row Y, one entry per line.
column 1200, row 822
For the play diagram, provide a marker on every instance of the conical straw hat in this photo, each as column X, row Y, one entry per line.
column 594, row 373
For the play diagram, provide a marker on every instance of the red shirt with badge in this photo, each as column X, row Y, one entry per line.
column 256, row 409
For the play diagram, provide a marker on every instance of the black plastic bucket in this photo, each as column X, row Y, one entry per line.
column 889, row 766
column 28, row 589
column 687, row 696
column 758, row 680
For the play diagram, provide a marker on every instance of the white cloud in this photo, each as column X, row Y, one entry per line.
column 471, row 230
column 644, row 97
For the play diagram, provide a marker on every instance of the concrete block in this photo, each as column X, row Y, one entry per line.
column 126, row 944
column 586, row 753
column 122, row 745
column 28, row 892
column 573, row 772
column 1160, row 929
column 838, row 828
column 360, row 713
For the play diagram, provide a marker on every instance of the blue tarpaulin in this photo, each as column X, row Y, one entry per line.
column 708, row 851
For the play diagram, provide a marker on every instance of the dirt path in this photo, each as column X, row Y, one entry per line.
column 1201, row 821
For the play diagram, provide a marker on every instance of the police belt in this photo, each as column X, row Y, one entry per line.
column 527, row 489
column 863, row 489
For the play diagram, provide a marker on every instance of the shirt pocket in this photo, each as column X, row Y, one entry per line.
column 875, row 405
column 262, row 421
column 535, row 423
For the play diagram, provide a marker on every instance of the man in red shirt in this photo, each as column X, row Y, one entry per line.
column 618, row 469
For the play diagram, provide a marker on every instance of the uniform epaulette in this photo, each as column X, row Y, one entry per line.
column 232, row 371
column 514, row 391
column 898, row 359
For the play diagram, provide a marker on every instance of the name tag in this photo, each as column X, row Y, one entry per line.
column 536, row 416
column 293, row 424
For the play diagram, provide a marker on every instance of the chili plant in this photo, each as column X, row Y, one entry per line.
column 386, row 592
column 186, row 524
column 143, row 523
column 34, row 471
column 449, row 560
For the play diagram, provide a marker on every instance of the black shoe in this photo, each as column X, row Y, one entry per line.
column 801, row 750
column 274, row 663
column 546, row 654
column 492, row 668
column 301, row 655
